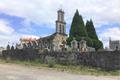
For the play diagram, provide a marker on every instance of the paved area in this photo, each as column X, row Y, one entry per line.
column 17, row 72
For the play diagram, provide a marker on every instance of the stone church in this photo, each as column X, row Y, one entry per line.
column 55, row 42
column 114, row 44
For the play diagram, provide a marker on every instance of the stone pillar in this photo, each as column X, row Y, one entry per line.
column 74, row 45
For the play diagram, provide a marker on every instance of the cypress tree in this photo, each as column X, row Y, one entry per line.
column 77, row 26
column 91, row 30
column 97, row 44
column 77, row 30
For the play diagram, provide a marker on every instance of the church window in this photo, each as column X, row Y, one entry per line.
column 60, row 28
column 63, row 29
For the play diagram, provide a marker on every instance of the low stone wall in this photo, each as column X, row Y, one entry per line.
column 108, row 60
column 105, row 60
column 27, row 54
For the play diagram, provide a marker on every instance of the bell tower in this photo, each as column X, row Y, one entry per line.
column 60, row 23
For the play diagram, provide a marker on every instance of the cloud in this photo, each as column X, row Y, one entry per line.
column 35, row 11
column 44, row 12
column 9, row 35
column 27, row 27
column 5, row 28
column 40, row 11
column 14, row 38
column 113, row 33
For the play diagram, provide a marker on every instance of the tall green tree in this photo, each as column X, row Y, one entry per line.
column 91, row 30
column 77, row 29
column 97, row 44
column 77, row 26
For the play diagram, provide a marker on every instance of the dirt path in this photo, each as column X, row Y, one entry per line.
column 17, row 72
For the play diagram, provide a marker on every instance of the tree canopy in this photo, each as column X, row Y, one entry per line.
column 77, row 26
column 78, row 31
column 91, row 30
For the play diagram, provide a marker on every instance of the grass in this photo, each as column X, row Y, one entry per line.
column 77, row 69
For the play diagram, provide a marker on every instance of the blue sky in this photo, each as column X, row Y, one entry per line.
column 36, row 18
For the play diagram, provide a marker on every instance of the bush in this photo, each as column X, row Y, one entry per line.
column 51, row 62
column 8, row 59
column 38, row 61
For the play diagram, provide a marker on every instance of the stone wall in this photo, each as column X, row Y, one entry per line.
column 25, row 54
column 108, row 60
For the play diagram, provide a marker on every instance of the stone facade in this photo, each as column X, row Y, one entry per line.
column 59, row 42
column 1, row 49
column 108, row 60
column 74, row 44
column 114, row 45
column 54, row 42
column 60, row 23
column 81, row 46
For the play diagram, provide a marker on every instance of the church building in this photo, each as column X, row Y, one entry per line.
column 114, row 44
column 56, row 41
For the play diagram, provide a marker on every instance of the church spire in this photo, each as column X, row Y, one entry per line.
column 60, row 23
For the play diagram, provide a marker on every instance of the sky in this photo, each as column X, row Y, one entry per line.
column 36, row 18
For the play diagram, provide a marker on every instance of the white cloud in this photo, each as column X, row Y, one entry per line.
column 26, row 27
column 34, row 10
column 113, row 33
column 14, row 38
column 40, row 11
column 9, row 35
column 5, row 28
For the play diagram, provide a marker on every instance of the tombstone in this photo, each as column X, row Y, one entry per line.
column 83, row 46
column 12, row 48
column 74, row 44
column 8, row 47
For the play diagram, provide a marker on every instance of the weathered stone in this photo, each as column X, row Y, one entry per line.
column 108, row 60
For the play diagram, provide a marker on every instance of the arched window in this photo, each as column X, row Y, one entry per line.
column 63, row 29
column 60, row 28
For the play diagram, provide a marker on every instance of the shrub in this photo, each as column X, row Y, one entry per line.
column 38, row 61
column 51, row 62
column 8, row 59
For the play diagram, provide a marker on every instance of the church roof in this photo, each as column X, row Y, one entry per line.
column 49, row 38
